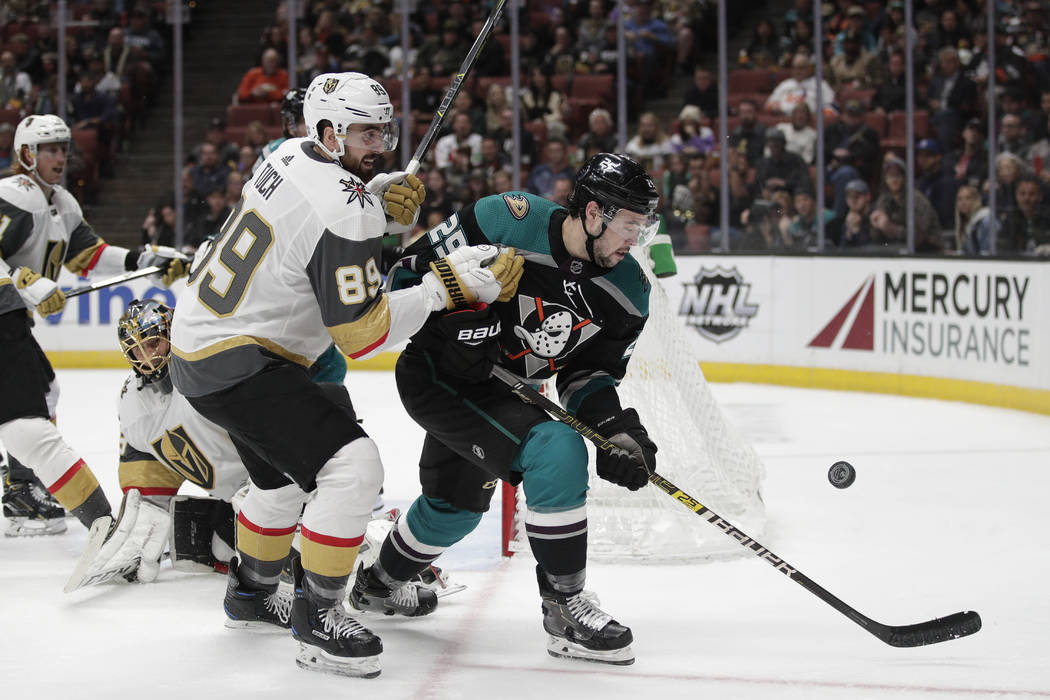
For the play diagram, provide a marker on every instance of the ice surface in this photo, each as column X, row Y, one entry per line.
column 948, row 513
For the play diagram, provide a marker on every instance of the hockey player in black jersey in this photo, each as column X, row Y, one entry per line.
column 579, row 308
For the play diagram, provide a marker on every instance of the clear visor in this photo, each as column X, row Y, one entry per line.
column 639, row 229
column 374, row 137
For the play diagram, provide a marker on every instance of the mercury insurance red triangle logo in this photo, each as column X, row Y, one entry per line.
column 859, row 314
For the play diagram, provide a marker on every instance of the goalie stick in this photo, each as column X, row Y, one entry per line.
column 941, row 629
column 453, row 88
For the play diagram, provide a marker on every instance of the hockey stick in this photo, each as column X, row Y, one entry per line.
column 453, row 89
column 144, row 272
column 941, row 629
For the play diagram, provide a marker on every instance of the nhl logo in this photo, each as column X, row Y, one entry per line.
column 330, row 85
column 716, row 304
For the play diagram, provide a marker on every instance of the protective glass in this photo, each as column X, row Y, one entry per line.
column 632, row 226
column 374, row 136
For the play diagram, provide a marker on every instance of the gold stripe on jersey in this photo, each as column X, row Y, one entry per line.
column 362, row 335
column 240, row 341
column 78, row 264
column 147, row 474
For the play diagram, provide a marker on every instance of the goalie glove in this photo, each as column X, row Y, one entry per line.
column 471, row 343
column 174, row 263
column 472, row 274
column 39, row 292
column 630, row 463
column 130, row 548
column 403, row 194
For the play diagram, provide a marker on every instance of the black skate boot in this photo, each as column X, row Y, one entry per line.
column 371, row 594
column 255, row 610
column 579, row 629
column 30, row 507
column 330, row 640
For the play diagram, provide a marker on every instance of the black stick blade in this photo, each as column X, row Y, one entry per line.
column 941, row 629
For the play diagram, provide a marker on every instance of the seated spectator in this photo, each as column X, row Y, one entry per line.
column 800, row 87
column 255, row 136
column 15, row 85
column 889, row 219
column 801, row 233
column 91, row 109
column 780, row 169
column 650, row 145
column 651, row 40
column 116, row 55
column 749, row 136
column 246, row 161
column 891, row 93
column 504, row 135
column 495, row 103
column 760, row 228
column 1009, row 169
column 555, row 163
column 968, row 164
column 207, row 225
column 316, row 62
column 599, row 138
column 1012, row 136
column 692, row 136
column 952, row 97
column 442, row 56
column 676, row 173
column 463, row 134
column 800, row 137
column 539, row 100
column 501, row 181
column 158, row 228
column 765, row 48
column 973, row 222
column 935, row 182
column 266, row 82
column 27, row 59
column 851, row 133
column 1037, row 158
column 234, row 186
column 7, row 140
column 838, row 173
column 365, row 52
column 492, row 157
column 852, row 228
column 855, row 66
column 209, row 174
column 703, row 92
column 856, row 23
column 951, row 32
column 144, row 40
column 228, row 152
column 560, row 58
column 590, row 33
column 1026, row 228
column 797, row 40
column 563, row 185
column 438, row 198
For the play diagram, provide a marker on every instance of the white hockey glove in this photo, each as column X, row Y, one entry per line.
column 402, row 194
column 175, row 264
column 39, row 292
column 131, row 547
column 471, row 274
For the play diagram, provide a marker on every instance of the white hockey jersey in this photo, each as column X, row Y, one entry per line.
column 41, row 235
column 164, row 442
column 296, row 266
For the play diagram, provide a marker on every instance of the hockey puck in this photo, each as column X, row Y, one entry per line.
column 841, row 475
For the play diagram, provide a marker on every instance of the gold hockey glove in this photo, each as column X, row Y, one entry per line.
column 39, row 292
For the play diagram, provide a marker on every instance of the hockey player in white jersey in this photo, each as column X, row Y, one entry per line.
column 42, row 229
column 297, row 266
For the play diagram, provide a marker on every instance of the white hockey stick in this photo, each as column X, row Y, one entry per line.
column 144, row 272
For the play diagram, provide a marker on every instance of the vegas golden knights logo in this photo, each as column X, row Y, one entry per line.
column 54, row 254
column 330, row 85
column 518, row 205
column 181, row 454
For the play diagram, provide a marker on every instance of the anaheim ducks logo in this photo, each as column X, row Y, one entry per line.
column 518, row 205
column 330, row 85
column 549, row 334
column 181, row 454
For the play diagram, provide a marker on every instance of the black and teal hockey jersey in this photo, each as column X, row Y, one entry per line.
column 570, row 318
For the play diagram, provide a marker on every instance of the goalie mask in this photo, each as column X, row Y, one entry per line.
column 343, row 99
column 35, row 130
column 144, row 332
column 616, row 182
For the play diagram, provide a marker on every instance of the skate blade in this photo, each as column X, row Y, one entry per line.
column 564, row 649
column 313, row 659
column 254, row 626
column 24, row 527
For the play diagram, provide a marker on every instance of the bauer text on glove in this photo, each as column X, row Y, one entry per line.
column 635, row 459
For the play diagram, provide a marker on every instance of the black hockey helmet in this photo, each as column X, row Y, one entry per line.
column 145, row 319
column 616, row 182
column 292, row 110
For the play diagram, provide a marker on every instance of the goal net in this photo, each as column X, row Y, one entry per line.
column 699, row 451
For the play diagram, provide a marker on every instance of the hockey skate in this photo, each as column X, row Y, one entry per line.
column 579, row 629
column 330, row 640
column 370, row 594
column 253, row 609
column 32, row 510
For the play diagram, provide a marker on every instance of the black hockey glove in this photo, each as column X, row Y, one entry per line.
column 630, row 464
column 471, row 344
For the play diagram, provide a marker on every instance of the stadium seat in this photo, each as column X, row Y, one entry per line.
column 11, row 116
column 746, row 80
column 846, row 94
column 242, row 115
column 877, row 121
column 594, row 87
column 897, row 128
